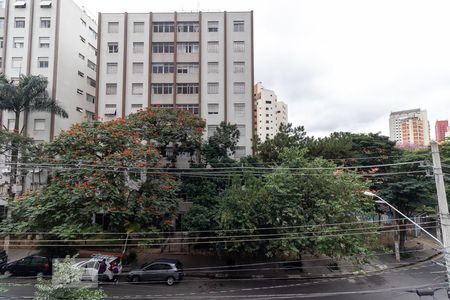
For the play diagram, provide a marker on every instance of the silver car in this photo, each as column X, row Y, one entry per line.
column 169, row 271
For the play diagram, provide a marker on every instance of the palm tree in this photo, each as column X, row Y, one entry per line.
column 29, row 95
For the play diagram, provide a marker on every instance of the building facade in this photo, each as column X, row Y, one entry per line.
column 201, row 61
column 55, row 39
column 410, row 128
column 270, row 113
column 442, row 129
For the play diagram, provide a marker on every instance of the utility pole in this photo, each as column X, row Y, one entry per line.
column 443, row 208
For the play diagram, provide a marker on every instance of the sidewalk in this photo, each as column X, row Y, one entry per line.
column 418, row 250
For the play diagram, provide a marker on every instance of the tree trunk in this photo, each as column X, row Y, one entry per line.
column 402, row 235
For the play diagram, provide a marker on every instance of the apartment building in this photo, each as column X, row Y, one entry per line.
column 410, row 127
column 442, row 130
column 201, row 61
column 55, row 39
column 270, row 113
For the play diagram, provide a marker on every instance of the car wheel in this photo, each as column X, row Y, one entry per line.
column 40, row 275
column 7, row 273
column 170, row 280
column 135, row 279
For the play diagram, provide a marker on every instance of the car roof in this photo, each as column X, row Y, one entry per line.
column 166, row 260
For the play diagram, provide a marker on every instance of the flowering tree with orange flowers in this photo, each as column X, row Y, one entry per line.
column 117, row 171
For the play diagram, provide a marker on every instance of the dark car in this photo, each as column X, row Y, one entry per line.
column 28, row 266
column 3, row 258
column 169, row 271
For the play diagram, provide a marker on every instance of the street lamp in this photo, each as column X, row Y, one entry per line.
column 382, row 201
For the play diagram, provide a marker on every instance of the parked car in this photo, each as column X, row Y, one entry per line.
column 169, row 271
column 91, row 267
column 3, row 258
column 28, row 266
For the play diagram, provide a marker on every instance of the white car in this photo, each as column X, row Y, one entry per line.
column 91, row 266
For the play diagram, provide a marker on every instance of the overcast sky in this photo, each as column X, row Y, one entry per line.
column 341, row 65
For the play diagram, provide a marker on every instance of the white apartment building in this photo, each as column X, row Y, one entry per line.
column 200, row 61
column 410, row 127
column 270, row 113
column 58, row 40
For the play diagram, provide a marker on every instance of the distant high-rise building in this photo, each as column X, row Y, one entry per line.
column 441, row 130
column 270, row 113
column 198, row 61
column 58, row 40
column 410, row 127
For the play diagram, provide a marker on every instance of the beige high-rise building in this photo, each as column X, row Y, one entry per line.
column 201, row 61
column 410, row 128
column 55, row 39
column 270, row 113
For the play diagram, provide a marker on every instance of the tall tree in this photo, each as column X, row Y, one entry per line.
column 220, row 146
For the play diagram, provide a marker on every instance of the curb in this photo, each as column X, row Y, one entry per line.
column 323, row 276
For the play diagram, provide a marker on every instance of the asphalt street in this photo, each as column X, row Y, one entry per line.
column 392, row 284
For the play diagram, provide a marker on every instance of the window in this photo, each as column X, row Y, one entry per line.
column 20, row 4
column 239, row 110
column 39, row 124
column 111, row 68
column 213, row 26
column 1, row 62
column 91, row 65
column 138, row 68
column 138, row 27
column 2, row 23
column 213, row 87
column 241, row 129
column 163, row 48
column 81, row 56
column 239, row 88
column 110, row 110
column 137, row 88
column 1, row 43
column 193, row 108
column 135, row 108
column 91, row 82
column 42, row 62
column 212, row 130
column 80, row 92
column 188, row 27
column 163, row 27
column 18, row 42
column 187, row 68
column 45, row 22
column 113, row 27
column 162, row 88
column 138, row 47
column 187, row 88
column 44, row 42
column 46, row 4
column 213, row 67
column 16, row 62
column 90, row 116
column 11, row 123
column 19, row 22
column 93, row 33
column 213, row 109
column 239, row 67
column 239, row 46
column 2, row 3
column 83, row 22
column 90, row 98
column 239, row 152
column 213, row 47
column 82, row 39
column 162, row 68
column 238, row 26
column 113, row 47
column 111, row 89
column 187, row 48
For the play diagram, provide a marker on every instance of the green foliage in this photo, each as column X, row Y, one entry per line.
column 110, row 170
column 287, row 137
column 66, row 284
column 219, row 147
